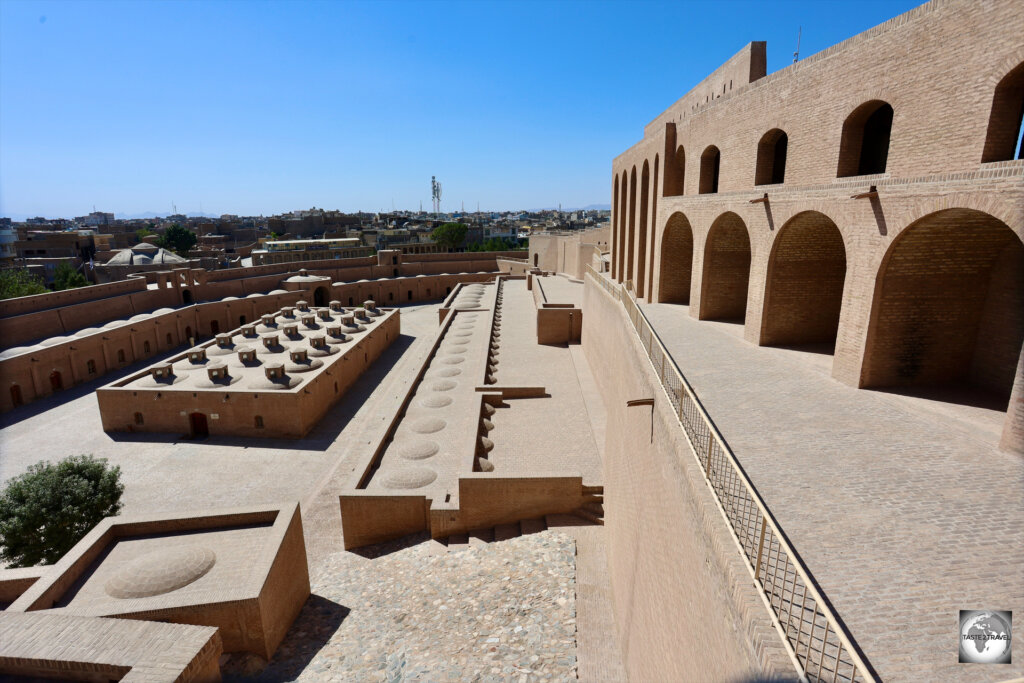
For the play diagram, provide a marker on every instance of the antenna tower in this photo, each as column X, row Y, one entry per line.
column 796, row 55
column 435, row 194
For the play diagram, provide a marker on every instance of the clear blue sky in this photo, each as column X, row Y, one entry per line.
column 264, row 107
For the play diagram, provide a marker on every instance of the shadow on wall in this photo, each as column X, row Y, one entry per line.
column 319, row 619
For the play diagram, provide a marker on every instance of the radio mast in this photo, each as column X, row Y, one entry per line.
column 435, row 194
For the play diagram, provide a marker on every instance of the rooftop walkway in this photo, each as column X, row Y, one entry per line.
column 902, row 507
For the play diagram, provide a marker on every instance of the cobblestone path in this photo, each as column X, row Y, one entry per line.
column 499, row 612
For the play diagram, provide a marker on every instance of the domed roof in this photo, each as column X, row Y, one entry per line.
column 17, row 351
column 308, row 278
column 144, row 254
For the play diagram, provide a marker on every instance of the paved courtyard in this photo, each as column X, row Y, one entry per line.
column 410, row 610
column 165, row 472
column 902, row 507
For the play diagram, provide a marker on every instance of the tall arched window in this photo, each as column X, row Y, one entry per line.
column 1004, row 123
column 675, row 173
column 710, row 161
column 771, row 158
column 864, row 148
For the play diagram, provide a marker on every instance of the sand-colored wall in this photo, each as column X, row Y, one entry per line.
column 675, row 577
column 232, row 411
column 373, row 518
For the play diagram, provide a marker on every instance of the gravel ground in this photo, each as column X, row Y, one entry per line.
column 413, row 611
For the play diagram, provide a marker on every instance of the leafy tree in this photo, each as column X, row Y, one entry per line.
column 178, row 239
column 47, row 510
column 67, row 277
column 142, row 233
column 19, row 282
column 449, row 235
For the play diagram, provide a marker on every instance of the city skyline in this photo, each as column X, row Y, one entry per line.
column 351, row 106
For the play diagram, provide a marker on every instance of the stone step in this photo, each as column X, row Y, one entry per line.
column 458, row 541
column 590, row 516
column 479, row 537
column 503, row 532
column 532, row 526
column 555, row 521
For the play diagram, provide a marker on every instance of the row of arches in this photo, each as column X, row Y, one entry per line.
column 947, row 306
column 863, row 149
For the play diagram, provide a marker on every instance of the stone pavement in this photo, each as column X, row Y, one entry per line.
column 903, row 509
column 552, row 434
column 164, row 473
column 413, row 611
column 350, row 592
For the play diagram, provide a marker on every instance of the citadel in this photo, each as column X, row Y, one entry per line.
column 763, row 409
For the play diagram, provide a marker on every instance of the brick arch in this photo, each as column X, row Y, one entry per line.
column 726, row 273
column 948, row 306
column 676, row 270
column 623, row 200
column 616, row 208
column 866, row 138
column 641, row 247
column 1007, row 113
column 804, row 285
column 654, row 231
column 631, row 227
column 710, row 166
column 772, row 150
column 675, row 170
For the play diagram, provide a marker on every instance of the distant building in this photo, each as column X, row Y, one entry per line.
column 284, row 251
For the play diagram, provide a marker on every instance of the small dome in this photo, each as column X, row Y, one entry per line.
column 54, row 341
column 161, row 571
column 87, row 331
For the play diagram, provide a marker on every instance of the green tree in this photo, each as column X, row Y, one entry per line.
column 19, row 282
column 178, row 239
column 47, row 510
column 142, row 233
column 449, row 235
column 67, row 277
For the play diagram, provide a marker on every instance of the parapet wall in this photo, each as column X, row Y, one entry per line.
column 678, row 581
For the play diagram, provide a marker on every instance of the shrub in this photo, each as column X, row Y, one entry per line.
column 47, row 510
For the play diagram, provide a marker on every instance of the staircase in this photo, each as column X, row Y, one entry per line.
column 590, row 512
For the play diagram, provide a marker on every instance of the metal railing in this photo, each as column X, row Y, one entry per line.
column 816, row 639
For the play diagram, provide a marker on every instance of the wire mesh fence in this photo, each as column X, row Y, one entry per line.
column 818, row 642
